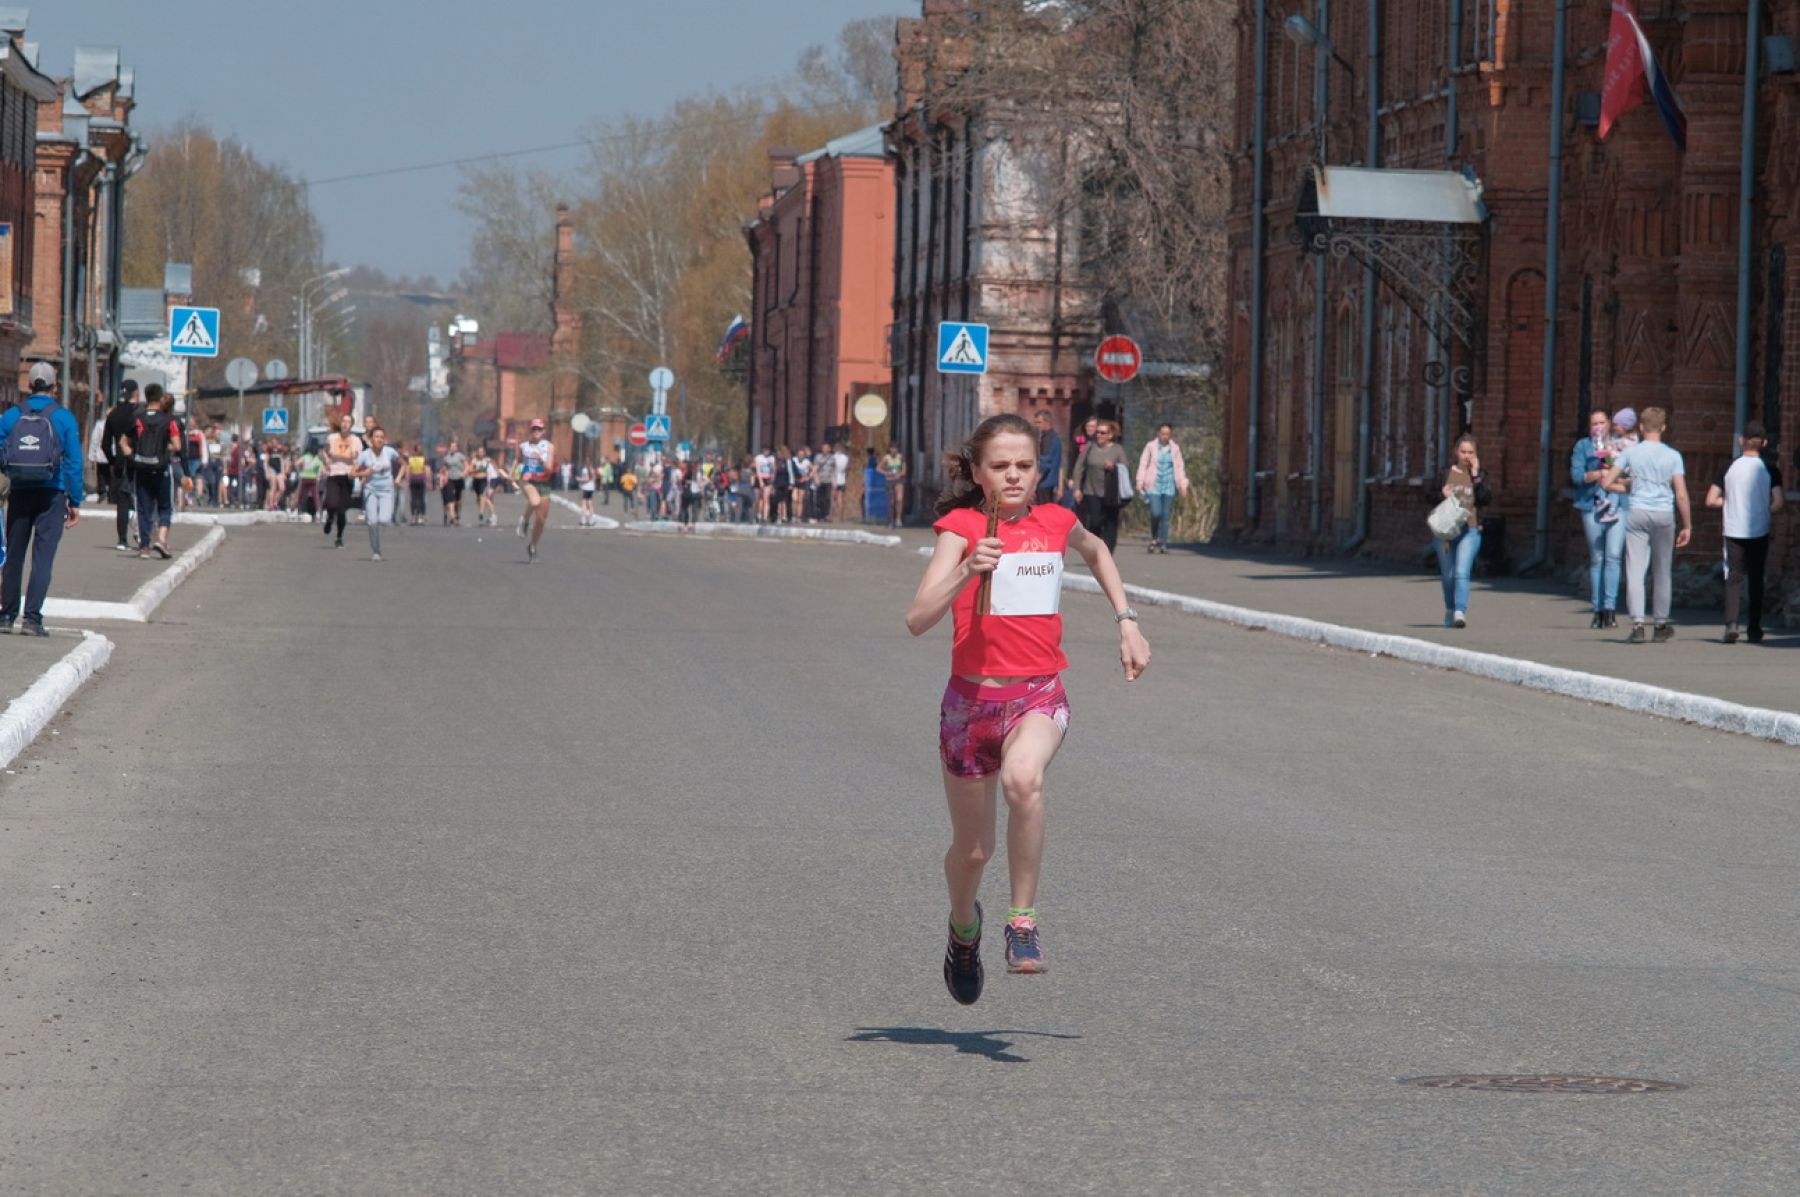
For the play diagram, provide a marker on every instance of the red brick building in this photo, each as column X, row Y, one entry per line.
column 1646, row 290
column 822, row 290
column 84, row 156
column 23, row 88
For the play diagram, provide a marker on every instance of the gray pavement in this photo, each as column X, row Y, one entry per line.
column 90, row 566
column 621, row 873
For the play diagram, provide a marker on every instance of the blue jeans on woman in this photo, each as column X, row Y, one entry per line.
column 1606, row 549
column 1159, row 517
column 1455, row 561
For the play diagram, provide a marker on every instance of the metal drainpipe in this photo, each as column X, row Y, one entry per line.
column 1258, row 249
column 1452, row 134
column 1365, row 401
column 1552, row 264
column 1746, row 215
column 1315, row 457
column 68, row 272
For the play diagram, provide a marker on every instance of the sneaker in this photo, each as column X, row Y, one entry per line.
column 33, row 627
column 1459, row 620
column 160, row 551
column 521, row 526
column 1599, row 620
column 375, row 557
column 1754, row 635
column 1731, row 635
column 1449, row 619
column 1637, row 634
column 6, row 627
column 531, row 553
column 1611, row 617
column 123, row 547
column 1023, row 953
column 962, row 965
column 1664, row 633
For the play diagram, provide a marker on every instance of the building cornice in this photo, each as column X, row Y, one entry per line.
column 24, row 76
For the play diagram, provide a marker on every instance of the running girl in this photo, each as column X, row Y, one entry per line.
column 537, row 465
column 1004, row 714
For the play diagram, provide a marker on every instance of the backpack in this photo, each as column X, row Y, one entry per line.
column 33, row 454
column 150, row 449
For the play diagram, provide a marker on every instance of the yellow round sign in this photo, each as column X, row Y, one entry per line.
column 871, row 411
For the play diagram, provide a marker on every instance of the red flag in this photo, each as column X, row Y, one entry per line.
column 1632, row 74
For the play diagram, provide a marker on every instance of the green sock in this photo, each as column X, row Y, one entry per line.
column 967, row 934
column 1021, row 912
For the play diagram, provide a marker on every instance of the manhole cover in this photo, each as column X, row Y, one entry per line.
column 1501, row 1083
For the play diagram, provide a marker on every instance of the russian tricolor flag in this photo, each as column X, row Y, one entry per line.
column 1631, row 72
column 734, row 333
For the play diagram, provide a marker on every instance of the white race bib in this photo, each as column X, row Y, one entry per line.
column 1028, row 584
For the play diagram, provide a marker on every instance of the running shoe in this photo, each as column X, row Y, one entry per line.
column 962, row 965
column 1664, row 633
column 160, row 551
column 123, row 547
column 34, row 627
column 522, row 520
column 1637, row 634
column 1731, row 634
column 1023, row 952
column 6, row 627
column 531, row 553
column 1459, row 620
column 375, row 557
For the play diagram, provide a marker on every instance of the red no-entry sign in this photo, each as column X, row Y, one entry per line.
column 638, row 435
column 1118, row 359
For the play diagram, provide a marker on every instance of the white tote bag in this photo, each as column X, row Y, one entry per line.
column 1447, row 519
column 1125, row 491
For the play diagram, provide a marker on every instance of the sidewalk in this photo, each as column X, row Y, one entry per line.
column 1530, row 620
column 89, row 566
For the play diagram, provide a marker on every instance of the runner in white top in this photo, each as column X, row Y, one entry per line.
column 537, row 465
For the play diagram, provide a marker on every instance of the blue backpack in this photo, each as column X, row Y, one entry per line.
column 33, row 455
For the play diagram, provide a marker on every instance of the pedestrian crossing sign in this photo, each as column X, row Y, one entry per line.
column 962, row 348
column 275, row 421
column 656, row 427
column 194, row 332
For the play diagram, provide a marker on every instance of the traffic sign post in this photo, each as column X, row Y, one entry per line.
column 962, row 348
column 1118, row 359
column 194, row 332
column 275, row 421
column 657, row 427
column 662, row 380
column 240, row 374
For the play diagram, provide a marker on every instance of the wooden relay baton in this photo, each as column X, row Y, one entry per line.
column 985, row 595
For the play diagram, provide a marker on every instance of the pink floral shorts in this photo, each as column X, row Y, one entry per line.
column 976, row 719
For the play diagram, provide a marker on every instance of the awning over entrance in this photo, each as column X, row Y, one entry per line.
column 1360, row 193
column 1422, row 231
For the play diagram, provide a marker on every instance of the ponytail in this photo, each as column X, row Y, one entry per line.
column 960, row 487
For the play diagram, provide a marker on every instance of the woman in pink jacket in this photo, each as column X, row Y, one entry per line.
column 1161, row 475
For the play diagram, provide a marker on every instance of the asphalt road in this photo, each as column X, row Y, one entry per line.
column 621, row 873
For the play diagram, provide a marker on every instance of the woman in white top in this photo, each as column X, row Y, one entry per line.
column 377, row 466
column 586, row 479
column 341, row 451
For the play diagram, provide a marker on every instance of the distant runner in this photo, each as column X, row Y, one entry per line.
column 376, row 466
column 537, row 465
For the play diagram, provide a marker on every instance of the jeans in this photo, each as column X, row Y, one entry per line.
column 1745, row 559
column 1456, row 560
column 1159, row 517
column 1649, row 540
column 1606, row 549
column 378, row 509
column 155, row 503
column 34, row 516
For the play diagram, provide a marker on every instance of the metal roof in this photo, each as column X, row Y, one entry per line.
column 95, row 67
column 1362, row 193
column 864, row 143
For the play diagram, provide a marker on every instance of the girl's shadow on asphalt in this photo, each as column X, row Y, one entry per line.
column 988, row 1044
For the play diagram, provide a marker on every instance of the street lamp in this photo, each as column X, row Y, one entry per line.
column 1306, row 35
column 306, row 362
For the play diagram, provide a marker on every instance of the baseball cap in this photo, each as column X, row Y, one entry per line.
column 43, row 372
column 539, row 424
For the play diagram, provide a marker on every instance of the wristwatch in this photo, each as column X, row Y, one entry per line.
column 1127, row 613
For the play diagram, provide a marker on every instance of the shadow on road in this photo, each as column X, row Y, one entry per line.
column 967, row 1043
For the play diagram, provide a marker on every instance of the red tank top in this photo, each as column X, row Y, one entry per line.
column 1021, row 636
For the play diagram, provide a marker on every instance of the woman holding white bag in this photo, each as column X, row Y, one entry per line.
column 1161, row 476
column 1101, row 485
column 1458, row 528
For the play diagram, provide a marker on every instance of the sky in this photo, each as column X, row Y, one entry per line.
column 335, row 87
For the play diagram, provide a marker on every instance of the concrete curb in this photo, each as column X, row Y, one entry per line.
column 149, row 596
column 1699, row 709
column 27, row 715
column 768, row 532
column 604, row 522
column 239, row 519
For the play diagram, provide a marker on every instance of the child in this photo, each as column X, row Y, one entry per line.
column 1004, row 714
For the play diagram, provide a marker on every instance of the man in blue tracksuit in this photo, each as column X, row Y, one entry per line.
column 47, row 490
